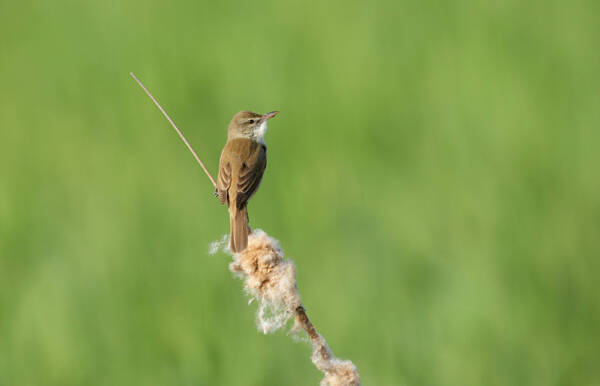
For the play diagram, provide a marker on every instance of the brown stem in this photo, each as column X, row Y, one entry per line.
column 310, row 329
column 306, row 323
column 176, row 129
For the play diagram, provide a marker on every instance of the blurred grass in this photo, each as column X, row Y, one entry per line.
column 433, row 173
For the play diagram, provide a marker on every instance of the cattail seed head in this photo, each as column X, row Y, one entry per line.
column 270, row 279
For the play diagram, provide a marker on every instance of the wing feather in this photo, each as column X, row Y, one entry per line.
column 250, row 175
column 224, row 181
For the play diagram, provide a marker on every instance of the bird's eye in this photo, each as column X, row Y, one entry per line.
column 251, row 121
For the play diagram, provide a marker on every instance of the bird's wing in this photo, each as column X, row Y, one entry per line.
column 251, row 172
column 224, row 179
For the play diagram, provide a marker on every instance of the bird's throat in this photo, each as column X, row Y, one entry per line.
column 260, row 131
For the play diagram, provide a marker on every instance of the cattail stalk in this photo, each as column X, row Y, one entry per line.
column 270, row 279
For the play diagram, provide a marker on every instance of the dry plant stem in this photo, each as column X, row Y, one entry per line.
column 310, row 329
column 176, row 129
column 307, row 326
column 314, row 336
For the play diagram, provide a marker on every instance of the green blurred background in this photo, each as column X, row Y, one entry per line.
column 433, row 173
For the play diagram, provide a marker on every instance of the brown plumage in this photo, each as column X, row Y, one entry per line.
column 241, row 168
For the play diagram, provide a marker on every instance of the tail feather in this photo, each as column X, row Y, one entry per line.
column 238, row 229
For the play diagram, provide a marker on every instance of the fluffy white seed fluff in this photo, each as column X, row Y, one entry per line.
column 271, row 281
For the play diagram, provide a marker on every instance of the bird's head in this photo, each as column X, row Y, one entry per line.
column 247, row 124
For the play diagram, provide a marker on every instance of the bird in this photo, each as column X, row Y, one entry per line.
column 241, row 168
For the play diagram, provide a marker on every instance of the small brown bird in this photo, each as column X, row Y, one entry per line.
column 241, row 169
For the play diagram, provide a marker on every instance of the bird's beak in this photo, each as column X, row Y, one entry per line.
column 269, row 115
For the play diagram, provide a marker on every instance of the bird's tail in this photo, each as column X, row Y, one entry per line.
column 238, row 229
